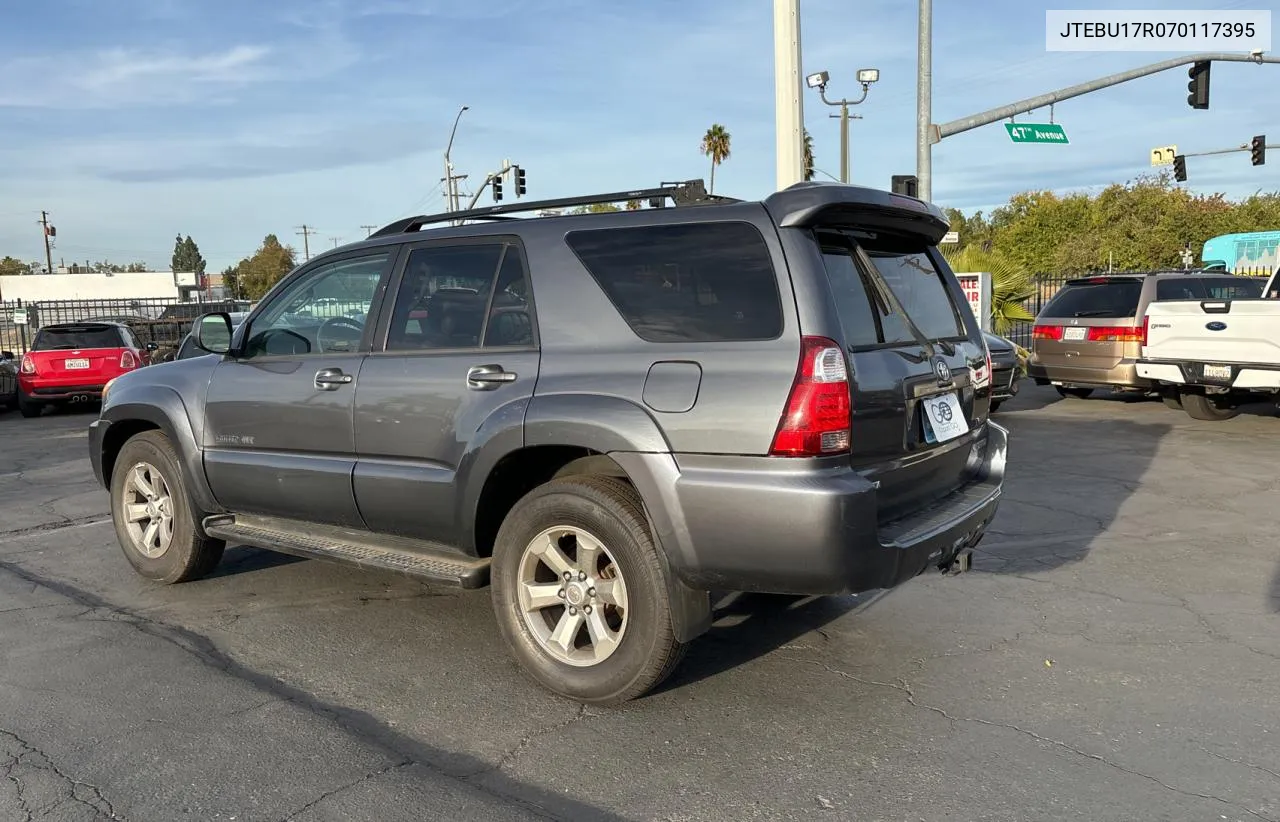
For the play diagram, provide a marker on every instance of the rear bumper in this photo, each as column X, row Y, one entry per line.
column 45, row 392
column 1241, row 376
column 1124, row 375
column 1004, row 382
column 792, row 531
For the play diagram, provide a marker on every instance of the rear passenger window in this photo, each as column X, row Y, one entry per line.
column 444, row 299
column 701, row 282
column 1207, row 288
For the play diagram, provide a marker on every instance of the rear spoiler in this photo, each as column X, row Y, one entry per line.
column 804, row 205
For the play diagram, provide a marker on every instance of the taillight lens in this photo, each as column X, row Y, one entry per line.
column 28, row 365
column 1046, row 332
column 1146, row 328
column 127, row 360
column 818, row 416
column 1121, row 334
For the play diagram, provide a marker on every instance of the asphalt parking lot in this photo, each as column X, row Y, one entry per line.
column 1113, row 655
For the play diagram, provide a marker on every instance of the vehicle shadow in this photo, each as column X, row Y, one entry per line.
column 1066, row 482
column 244, row 560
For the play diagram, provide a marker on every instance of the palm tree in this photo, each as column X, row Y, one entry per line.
column 715, row 144
column 808, row 156
column 1011, row 285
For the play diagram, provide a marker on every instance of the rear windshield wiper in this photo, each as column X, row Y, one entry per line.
column 1097, row 312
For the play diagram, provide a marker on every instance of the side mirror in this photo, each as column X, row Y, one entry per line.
column 152, row 346
column 212, row 333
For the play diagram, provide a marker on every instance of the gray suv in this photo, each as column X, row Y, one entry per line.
column 605, row 416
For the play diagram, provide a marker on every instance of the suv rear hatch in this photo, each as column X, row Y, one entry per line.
column 88, row 354
column 917, row 362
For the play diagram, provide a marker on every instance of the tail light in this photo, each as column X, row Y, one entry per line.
column 818, row 416
column 1046, row 332
column 127, row 360
column 28, row 365
column 1146, row 329
column 981, row 376
column 1122, row 334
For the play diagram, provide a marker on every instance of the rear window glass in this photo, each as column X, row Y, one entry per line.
column 918, row 285
column 1208, row 288
column 1113, row 299
column 702, row 282
column 76, row 337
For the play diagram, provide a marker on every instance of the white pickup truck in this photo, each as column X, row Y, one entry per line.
column 1210, row 356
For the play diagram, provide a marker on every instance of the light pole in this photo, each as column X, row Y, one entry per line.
column 924, row 102
column 819, row 81
column 450, row 195
column 788, row 101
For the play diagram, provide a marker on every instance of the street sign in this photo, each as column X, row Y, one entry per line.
column 1164, row 155
column 977, row 291
column 951, row 238
column 1036, row 133
column 20, row 316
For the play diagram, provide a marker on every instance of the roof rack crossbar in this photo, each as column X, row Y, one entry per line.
column 690, row 192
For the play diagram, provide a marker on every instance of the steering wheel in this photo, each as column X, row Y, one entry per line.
column 348, row 337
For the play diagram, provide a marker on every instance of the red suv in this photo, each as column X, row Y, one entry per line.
column 71, row 362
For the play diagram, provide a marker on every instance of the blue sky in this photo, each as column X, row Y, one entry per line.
column 131, row 121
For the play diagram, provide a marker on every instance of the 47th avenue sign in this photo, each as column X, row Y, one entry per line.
column 1036, row 133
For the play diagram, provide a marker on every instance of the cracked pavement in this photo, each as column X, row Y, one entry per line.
column 1111, row 656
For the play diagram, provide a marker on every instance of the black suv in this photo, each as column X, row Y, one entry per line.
column 605, row 415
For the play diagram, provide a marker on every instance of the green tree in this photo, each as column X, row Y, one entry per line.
column 231, row 282
column 134, row 268
column 186, row 256
column 715, row 144
column 633, row 205
column 1011, row 285
column 256, row 275
column 596, row 208
column 10, row 267
column 808, row 155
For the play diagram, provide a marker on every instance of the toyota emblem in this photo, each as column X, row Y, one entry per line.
column 944, row 373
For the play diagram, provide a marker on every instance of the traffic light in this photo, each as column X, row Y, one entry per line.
column 905, row 184
column 1258, row 149
column 1180, row 168
column 497, row 189
column 1199, row 85
column 520, row 187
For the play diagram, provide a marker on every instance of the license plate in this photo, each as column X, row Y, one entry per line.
column 943, row 418
column 1074, row 333
column 73, row 365
column 1216, row 372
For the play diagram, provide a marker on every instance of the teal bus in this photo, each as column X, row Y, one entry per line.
column 1252, row 253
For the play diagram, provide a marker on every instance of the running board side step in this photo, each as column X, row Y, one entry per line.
column 415, row 558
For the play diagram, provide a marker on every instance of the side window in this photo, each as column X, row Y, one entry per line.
column 458, row 296
column 322, row 312
column 699, row 282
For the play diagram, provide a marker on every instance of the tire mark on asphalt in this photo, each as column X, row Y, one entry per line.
column 463, row 769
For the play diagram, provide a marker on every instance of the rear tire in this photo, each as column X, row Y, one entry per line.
column 569, row 519
column 1172, row 400
column 1201, row 407
column 27, row 407
column 995, row 405
column 155, row 520
column 1077, row 393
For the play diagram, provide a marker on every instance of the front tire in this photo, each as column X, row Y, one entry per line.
column 1201, row 407
column 580, row 591
column 154, row 518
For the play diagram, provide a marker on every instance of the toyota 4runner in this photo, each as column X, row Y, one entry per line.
column 605, row 416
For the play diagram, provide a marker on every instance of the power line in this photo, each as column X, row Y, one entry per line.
column 306, row 232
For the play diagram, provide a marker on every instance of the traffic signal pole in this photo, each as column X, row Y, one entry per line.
column 935, row 133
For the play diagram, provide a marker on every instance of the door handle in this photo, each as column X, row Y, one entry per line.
column 329, row 379
column 488, row 377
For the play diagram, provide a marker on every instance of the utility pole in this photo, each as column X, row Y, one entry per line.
column 335, row 241
column 368, row 230
column 788, row 104
column 306, row 232
column 819, row 81
column 49, row 231
column 844, row 119
column 924, row 101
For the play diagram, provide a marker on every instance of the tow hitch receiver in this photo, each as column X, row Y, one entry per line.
column 962, row 562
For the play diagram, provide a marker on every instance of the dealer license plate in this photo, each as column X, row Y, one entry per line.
column 75, row 365
column 943, row 418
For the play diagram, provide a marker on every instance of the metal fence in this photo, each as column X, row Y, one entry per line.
column 163, row 321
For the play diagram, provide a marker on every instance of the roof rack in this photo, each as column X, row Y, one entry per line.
column 689, row 192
